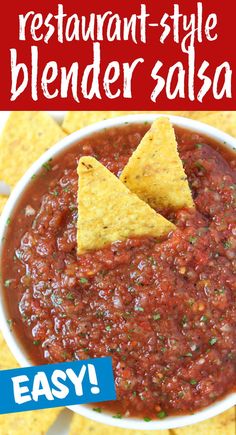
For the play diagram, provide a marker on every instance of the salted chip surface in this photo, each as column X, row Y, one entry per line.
column 25, row 137
column 155, row 171
column 109, row 212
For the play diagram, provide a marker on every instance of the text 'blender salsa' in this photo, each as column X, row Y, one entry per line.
column 165, row 311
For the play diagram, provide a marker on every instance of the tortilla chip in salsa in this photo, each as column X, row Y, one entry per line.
column 155, row 171
column 109, row 212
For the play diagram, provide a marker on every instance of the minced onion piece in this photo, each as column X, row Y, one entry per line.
column 29, row 211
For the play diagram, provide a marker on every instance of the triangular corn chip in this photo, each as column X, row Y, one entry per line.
column 25, row 137
column 108, row 211
column 155, row 171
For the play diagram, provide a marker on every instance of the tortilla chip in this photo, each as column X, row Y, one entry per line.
column 84, row 426
column 30, row 422
column 108, row 211
column 23, row 423
column 25, row 137
column 155, row 171
column 223, row 424
column 75, row 120
column 225, row 121
column 7, row 360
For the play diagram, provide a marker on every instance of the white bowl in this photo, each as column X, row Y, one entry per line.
column 16, row 347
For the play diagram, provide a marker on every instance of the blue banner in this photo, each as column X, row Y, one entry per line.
column 52, row 385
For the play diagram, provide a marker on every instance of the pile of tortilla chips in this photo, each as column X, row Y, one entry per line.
column 25, row 137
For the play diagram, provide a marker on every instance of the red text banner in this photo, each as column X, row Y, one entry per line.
column 102, row 55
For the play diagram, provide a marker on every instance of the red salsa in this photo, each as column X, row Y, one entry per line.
column 165, row 311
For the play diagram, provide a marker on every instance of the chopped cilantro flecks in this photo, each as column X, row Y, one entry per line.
column 47, row 165
column 192, row 240
column 36, row 342
column 108, row 328
column 191, row 302
column 161, row 414
column 139, row 309
column 152, row 261
column 100, row 314
column 200, row 166
column 204, row 319
column 219, row 291
column 193, row 382
column 70, row 296
column 97, row 410
column 72, row 207
column 147, row 419
column 10, row 323
column 55, row 192
column 64, row 355
column 184, row 320
column 227, row 244
column 7, row 283
column 8, row 221
column 198, row 145
column 83, row 280
column 118, row 415
column 212, row 341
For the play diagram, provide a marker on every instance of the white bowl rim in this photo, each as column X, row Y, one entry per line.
column 14, row 344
